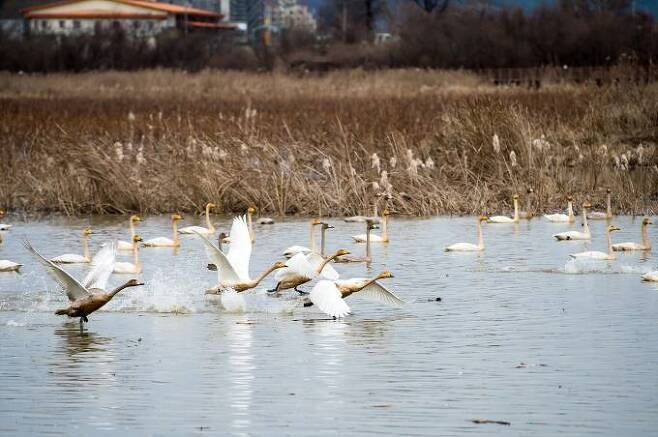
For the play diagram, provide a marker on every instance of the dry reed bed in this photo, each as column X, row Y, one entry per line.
column 158, row 141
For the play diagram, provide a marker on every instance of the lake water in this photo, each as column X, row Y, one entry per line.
column 518, row 336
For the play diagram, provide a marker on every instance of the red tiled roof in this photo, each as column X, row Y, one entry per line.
column 95, row 15
column 164, row 7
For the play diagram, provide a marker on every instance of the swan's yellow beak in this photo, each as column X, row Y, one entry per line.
column 176, row 217
column 608, row 190
column 587, row 205
column 570, row 198
column 341, row 252
column 135, row 218
column 612, row 228
column 647, row 221
column 316, row 222
column 251, row 210
column 484, row 218
column 87, row 231
column 386, row 212
column 2, row 212
column 386, row 274
column 279, row 265
column 137, row 238
column 515, row 197
column 211, row 205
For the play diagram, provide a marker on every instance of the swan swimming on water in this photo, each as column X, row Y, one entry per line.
column 4, row 226
column 8, row 266
column 505, row 219
column 630, row 246
column 128, row 245
column 563, row 218
column 133, row 267
column 291, row 251
column 383, row 238
column 164, row 241
column 577, row 235
column 470, row 247
column 210, row 229
column 598, row 255
column 72, row 258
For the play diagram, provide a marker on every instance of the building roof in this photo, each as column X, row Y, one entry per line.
column 148, row 4
column 206, row 25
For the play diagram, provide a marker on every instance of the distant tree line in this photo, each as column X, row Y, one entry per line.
column 428, row 34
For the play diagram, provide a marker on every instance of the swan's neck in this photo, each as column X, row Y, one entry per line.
column 85, row 246
column 322, row 239
column 585, row 224
column 174, row 227
column 516, row 210
column 645, row 238
column 368, row 230
column 263, row 275
column 136, row 254
column 113, row 293
column 376, row 208
column 385, row 228
column 610, row 251
column 251, row 227
column 570, row 211
column 480, row 239
column 311, row 237
column 326, row 261
column 219, row 244
column 608, row 211
column 211, row 228
column 132, row 228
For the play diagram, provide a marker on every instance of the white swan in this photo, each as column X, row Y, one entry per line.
column 595, row 254
column 265, row 221
column 650, row 276
column 367, row 258
column 645, row 245
column 505, row 219
column 71, row 258
column 300, row 270
column 133, row 267
column 563, row 218
column 383, row 238
column 8, row 266
column 470, row 247
column 596, row 215
column 577, row 235
column 233, row 268
column 329, row 296
column 3, row 226
column 128, row 245
column 210, row 229
column 163, row 241
column 291, row 251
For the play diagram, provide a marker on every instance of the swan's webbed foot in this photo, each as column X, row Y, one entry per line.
column 84, row 319
column 275, row 289
column 301, row 292
column 212, row 267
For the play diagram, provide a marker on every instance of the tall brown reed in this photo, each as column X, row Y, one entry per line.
column 158, row 141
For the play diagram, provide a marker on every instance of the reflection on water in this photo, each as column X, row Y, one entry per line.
column 520, row 334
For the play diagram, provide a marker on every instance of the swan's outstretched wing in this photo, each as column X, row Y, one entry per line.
column 326, row 296
column 296, row 266
column 225, row 271
column 315, row 260
column 103, row 264
column 74, row 290
column 239, row 253
column 378, row 293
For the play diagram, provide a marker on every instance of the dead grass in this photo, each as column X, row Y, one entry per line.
column 158, row 141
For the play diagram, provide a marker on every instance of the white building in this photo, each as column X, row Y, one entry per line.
column 289, row 14
column 138, row 17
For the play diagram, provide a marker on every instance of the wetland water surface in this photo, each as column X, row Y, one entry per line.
column 518, row 337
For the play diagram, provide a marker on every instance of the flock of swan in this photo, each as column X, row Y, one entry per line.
column 585, row 234
column 303, row 264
